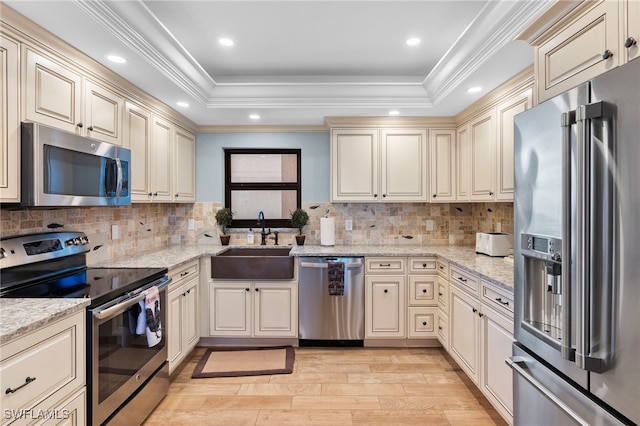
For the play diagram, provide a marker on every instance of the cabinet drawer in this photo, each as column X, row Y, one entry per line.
column 422, row 290
column 182, row 273
column 498, row 299
column 418, row 265
column 442, row 268
column 47, row 362
column 442, row 330
column 422, row 322
column 464, row 279
column 383, row 265
column 443, row 295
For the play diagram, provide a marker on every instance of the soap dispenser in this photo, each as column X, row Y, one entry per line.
column 250, row 237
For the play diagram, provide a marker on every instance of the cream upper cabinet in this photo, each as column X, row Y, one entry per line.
column 482, row 131
column 403, row 165
column 137, row 137
column 373, row 165
column 52, row 93
column 184, row 166
column 442, row 146
column 160, row 165
column 103, row 113
column 9, row 121
column 583, row 49
column 505, row 113
column 463, row 160
column 631, row 30
column 354, row 165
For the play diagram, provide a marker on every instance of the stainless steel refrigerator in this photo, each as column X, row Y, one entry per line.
column 576, row 359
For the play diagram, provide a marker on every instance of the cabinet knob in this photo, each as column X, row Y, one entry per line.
column 386, row 291
column 490, row 192
column 149, row 194
column 424, row 265
column 257, row 289
column 155, row 194
column 607, row 54
column 440, row 294
column 375, row 195
column 79, row 125
column 474, row 310
column 424, row 290
column 480, row 314
column 246, row 289
column 434, row 195
column 177, row 195
column 384, row 195
column 424, row 323
column 439, row 327
column 629, row 42
column 90, row 128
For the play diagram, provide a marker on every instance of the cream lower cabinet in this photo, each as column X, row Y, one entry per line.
column 464, row 331
column 442, row 296
column 183, row 313
column 385, row 306
column 54, row 357
column 378, row 165
column 9, row 121
column 253, row 308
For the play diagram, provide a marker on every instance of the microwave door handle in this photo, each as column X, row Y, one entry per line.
column 568, row 119
column 119, row 174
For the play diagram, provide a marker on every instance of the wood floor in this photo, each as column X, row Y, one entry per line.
column 332, row 386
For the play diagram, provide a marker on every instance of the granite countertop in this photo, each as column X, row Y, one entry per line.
column 493, row 269
column 21, row 316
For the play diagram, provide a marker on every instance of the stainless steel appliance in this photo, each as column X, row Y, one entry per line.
column 329, row 318
column 577, row 255
column 65, row 169
column 126, row 378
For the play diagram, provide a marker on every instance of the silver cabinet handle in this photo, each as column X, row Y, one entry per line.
column 325, row 265
column 516, row 363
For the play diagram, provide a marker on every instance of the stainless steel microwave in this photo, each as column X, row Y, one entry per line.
column 64, row 169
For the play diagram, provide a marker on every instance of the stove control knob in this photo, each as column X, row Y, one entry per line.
column 77, row 241
column 85, row 240
column 69, row 242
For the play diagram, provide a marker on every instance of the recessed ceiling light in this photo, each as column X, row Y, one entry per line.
column 413, row 41
column 254, row 117
column 474, row 89
column 394, row 112
column 226, row 42
column 116, row 59
column 182, row 104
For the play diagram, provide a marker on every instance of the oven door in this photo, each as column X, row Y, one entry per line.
column 120, row 360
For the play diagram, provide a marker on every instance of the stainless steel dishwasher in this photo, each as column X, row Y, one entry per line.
column 327, row 318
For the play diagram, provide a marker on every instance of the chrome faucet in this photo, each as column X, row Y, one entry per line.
column 263, row 233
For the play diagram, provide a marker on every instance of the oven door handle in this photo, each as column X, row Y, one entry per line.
column 126, row 304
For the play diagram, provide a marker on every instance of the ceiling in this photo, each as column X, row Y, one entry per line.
column 295, row 62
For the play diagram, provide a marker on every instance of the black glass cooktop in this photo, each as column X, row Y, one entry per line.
column 99, row 284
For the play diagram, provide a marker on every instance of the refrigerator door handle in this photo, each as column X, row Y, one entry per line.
column 568, row 119
column 589, row 264
column 518, row 365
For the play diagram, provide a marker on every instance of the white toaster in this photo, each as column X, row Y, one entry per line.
column 494, row 243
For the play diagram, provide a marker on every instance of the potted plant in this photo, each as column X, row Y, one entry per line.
column 299, row 219
column 224, row 216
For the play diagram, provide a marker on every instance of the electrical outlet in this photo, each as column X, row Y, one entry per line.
column 115, row 232
column 348, row 225
column 191, row 224
column 429, row 225
column 498, row 227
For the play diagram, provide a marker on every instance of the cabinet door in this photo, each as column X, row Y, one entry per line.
column 482, row 133
column 505, row 114
column 53, row 93
column 174, row 325
column 276, row 310
column 385, row 306
column 9, row 122
column 463, row 163
column 632, row 29
column 230, row 313
column 443, row 165
column 161, row 143
column 190, row 319
column 403, row 165
column 137, row 137
column 497, row 377
column 354, row 165
column 443, row 329
column 576, row 54
column 185, row 166
column 464, row 329
column 103, row 113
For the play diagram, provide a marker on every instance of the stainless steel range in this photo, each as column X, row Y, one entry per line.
column 127, row 373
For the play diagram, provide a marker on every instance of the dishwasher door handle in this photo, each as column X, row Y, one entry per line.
column 325, row 265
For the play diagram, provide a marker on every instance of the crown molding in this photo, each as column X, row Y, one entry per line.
column 262, row 129
column 391, row 122
column 558, row 11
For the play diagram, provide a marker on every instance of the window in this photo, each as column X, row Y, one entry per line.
column 265, row 180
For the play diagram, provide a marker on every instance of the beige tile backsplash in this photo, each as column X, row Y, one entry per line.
column 144, row 227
